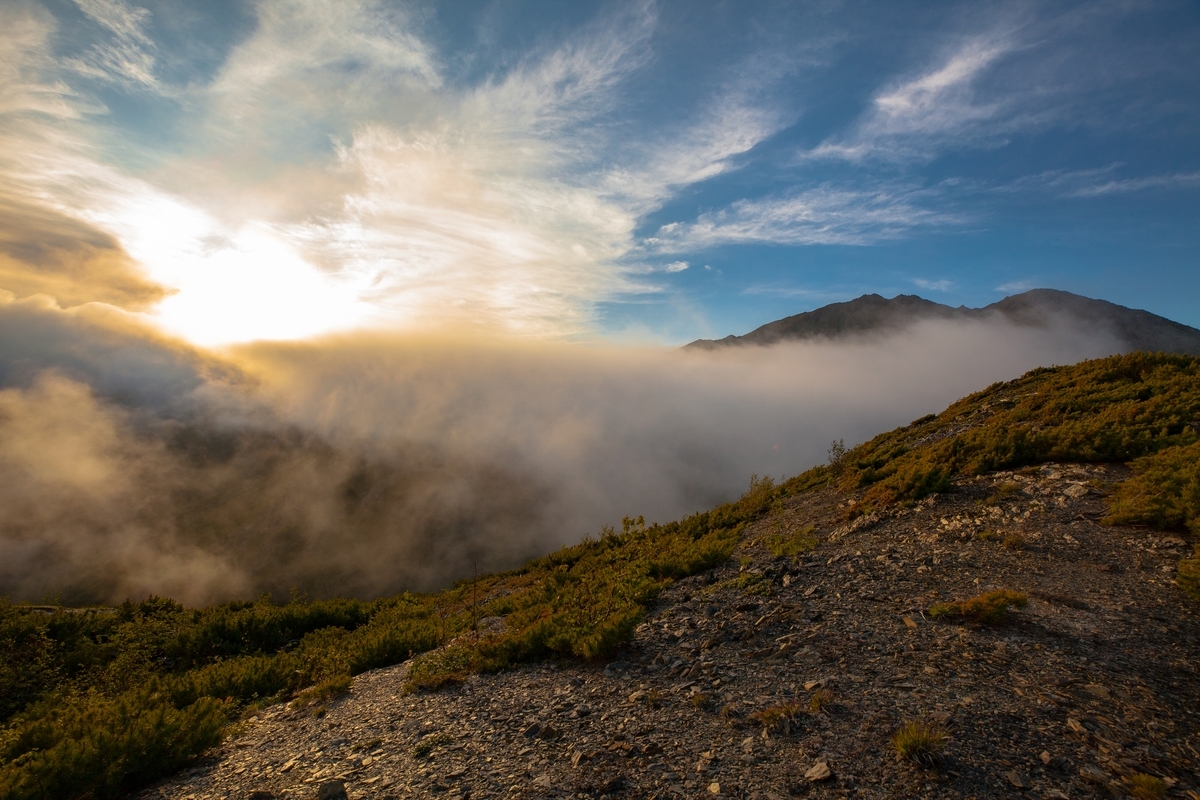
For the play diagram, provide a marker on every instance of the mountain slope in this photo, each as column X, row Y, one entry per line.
column 844, row 578
column 1039, row 308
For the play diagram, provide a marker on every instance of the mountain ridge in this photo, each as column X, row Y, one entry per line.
column 873, row 314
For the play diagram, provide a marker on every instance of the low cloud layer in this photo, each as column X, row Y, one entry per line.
column 370, row 464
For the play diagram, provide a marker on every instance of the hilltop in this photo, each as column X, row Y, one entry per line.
column 872, row 315
column 1010, row 579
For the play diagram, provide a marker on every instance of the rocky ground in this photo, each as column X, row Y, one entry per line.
column 1094, row 681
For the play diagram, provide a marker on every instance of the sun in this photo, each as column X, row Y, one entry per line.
column 229, row 287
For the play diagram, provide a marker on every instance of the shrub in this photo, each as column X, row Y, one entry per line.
column 1147, row 787
column 1164, row 491
column 792, row 544
column 1188, row 575
column 987, row 609
column 920, row 741
column 778, row 718
column 820, row 700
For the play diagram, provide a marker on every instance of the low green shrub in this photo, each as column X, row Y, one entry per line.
column 987, row 609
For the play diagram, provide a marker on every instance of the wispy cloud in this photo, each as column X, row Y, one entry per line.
column 915, row 116
column 824, row 215
column 127, row 58
column 942, row 285
column 1178, row 180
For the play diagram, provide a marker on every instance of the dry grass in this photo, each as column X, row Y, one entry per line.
column 986, row 609
column 920, row 741
column 819, row 701
column 1015, row 541
column 779, row 718
column 1147, row 787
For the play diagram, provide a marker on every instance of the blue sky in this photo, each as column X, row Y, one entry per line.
column 631, row 171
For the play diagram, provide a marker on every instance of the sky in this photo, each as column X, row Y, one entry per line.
column 618, row 171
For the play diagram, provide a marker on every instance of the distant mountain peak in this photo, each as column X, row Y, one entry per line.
column 874, row 315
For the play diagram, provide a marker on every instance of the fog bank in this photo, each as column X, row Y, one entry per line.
column 371, row 464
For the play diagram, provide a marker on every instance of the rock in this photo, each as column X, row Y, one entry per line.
column 714, row 788
column 531, row 731
column 543, row 781
column 1075, row 490
column 260, row 794
column 1046, row 758
column 1017, row 779
column 819, row 771
column 1093, row 774
column 910, row 622
column 331, row 790
column 1096, row 690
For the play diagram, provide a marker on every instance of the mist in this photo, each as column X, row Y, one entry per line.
column 369, row 464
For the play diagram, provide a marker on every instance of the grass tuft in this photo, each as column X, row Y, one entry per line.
column 1147, row 787
column 920, row 741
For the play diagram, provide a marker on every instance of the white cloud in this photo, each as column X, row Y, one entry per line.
column 128, row 58
column 1016, row 287
column 824, row 215
column 934, row 286
column 1178, row 180
column 913, row 117
column 676, row 266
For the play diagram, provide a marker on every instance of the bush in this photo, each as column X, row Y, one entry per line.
column 986, row 609
column 1147, row 787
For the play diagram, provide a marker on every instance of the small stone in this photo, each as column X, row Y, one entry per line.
column 819, row 771
column 714, row 788
column 637, row 697
column 531, row 731
column 260, row 794
column 1096, row 690
column 331, row 790
column 810, row 685
column 1076, row 725
column 543, row 781
column 910, row 622
column 1075, row 490
column 1093, row 774
column 548, row 732
column 1017, row 779
column 1046, row 758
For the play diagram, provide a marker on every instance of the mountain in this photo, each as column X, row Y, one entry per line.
column 875, row 315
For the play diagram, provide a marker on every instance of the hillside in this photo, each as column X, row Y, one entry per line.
column 1039, row 308
column 771, row 646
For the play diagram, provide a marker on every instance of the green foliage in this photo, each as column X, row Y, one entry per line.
column 98, row 702
column 987, row 609
column 792, row 544
column 1164, row 491
column 1188, row 575
column 1110, row 409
